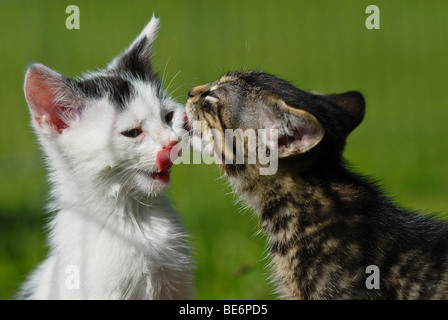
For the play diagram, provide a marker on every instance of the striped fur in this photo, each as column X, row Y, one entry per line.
column 326, row 224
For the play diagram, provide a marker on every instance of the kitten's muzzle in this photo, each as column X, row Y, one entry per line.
column 196, row 92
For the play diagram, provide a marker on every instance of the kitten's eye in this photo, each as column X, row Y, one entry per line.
column 209, row 94
column 133, row 133
column 169, row 117
column 212, row 94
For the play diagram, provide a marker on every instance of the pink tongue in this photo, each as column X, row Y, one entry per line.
column 163, row 159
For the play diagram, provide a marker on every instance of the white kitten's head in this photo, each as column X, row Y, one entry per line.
column 113, row 130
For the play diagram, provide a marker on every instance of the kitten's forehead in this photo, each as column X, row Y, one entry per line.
column 147, row 100
column 228, row 78
column 120, row 89
column 245, row 79
column 223, row 82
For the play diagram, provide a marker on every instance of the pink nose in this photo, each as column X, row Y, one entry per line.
column 165, row 157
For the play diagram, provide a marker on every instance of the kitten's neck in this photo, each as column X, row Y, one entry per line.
column 99, row 200
column 270, row 195
column 308, row 216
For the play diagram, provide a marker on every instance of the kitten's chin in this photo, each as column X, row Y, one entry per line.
column 154, row 183
column 163, row 176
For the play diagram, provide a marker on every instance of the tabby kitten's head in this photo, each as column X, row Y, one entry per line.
column 310, row 126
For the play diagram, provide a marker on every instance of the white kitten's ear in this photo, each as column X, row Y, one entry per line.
column 50, row 97
column 298, row 131
column 137, row 58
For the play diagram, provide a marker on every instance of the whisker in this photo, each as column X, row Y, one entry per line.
column 221, row 69
column 175, row 76
column 178, row 87
column 164, row 71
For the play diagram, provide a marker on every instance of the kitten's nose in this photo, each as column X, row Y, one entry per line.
column 196, row 92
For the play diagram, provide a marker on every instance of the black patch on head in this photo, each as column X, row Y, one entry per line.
column 133, row 63
column 137, row 62
column 119, row 90
column 116, row 82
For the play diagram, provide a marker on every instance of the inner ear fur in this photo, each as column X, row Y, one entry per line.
column 50, row 97
column 298, row 130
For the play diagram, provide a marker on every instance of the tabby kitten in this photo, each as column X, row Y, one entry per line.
column 328, row 227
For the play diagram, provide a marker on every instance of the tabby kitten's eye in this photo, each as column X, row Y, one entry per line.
column 212, row 94
column 133, row 133
column 169, row 117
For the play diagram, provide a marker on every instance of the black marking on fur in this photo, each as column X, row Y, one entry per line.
column 119, row 90
column 275, row 205
column 137, row 61
column 219, row 114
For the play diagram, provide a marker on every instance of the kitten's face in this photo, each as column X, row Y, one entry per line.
column 256, row 100
column 115, row 129
column 125, row 147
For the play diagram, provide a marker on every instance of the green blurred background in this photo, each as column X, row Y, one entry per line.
column 317, row 45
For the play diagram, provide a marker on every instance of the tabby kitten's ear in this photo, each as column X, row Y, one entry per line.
column 136, row 60
column 298, row 130
column 52, row 98
column 353, row 103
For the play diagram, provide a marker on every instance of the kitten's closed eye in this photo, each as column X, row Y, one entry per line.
column 211, row 94
column 133, row 133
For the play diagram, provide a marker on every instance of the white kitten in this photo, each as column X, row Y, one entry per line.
column 108, row 138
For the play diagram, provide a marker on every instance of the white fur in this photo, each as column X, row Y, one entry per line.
column 113, row 234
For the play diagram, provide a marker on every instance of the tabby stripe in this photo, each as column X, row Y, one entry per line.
column 274, row 206
column 220, row 117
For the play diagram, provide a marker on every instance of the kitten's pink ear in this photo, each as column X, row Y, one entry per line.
column 49, row 98
column 137, row 58
column 298, row 131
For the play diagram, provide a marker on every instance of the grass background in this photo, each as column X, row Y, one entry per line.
column 317, row 45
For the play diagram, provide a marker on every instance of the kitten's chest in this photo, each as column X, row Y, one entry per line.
column 114, row 258
column 313, row 246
